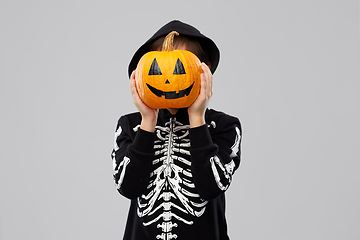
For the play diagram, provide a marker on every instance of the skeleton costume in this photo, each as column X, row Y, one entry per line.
column 176, row 177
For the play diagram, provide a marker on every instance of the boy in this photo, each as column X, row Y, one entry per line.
column 176, row 164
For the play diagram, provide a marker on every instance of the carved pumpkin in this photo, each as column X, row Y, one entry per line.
column 168, row 78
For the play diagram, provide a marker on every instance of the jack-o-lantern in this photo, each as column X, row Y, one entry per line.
column 168, row 78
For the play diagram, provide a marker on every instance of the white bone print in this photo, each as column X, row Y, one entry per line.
column 171, row 191
column 226, row 169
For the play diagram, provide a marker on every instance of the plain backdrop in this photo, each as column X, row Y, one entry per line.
column 289, row 70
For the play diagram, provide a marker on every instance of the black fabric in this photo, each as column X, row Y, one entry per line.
column 184, row 29
column 176, row 177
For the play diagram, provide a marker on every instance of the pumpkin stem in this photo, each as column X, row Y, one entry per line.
column 168, row 44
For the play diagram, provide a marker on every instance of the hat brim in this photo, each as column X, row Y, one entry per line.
column 183, row 29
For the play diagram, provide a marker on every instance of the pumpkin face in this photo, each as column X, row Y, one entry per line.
column 168, row 79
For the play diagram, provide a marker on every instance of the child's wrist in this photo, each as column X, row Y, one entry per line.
column 148, row 125
column 196, row 120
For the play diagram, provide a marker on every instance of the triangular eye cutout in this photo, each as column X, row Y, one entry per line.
column 179, row 68
column 154, row 69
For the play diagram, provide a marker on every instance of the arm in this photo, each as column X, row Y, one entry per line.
column 197, row 110
column 132, row 158
column 133, row 152
column 215, row 155
column 148, row 115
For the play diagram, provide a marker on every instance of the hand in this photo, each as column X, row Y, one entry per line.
column 197, row 110
column 148, row 115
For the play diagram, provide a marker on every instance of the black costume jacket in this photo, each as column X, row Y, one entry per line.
column 176, row 177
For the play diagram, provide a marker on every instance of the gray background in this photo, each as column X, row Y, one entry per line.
column 289, row 70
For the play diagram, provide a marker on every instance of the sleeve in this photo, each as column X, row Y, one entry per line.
column 132, row 159
column 215, row 156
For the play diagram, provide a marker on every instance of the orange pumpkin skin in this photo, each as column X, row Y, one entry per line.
column 171, row 89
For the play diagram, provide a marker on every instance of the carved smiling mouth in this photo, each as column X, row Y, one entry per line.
column 171, row 94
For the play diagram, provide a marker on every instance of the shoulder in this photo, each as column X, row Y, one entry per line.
column 222, row 123
column 212, row 115
column 129, row 120
column 134, row 115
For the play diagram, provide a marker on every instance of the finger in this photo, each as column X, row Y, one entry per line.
column 132, row 76
column 133, row 87
column 208, row 77
column 132, row 81
column 134, row 92
column 203, row 85
column 211, row 82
